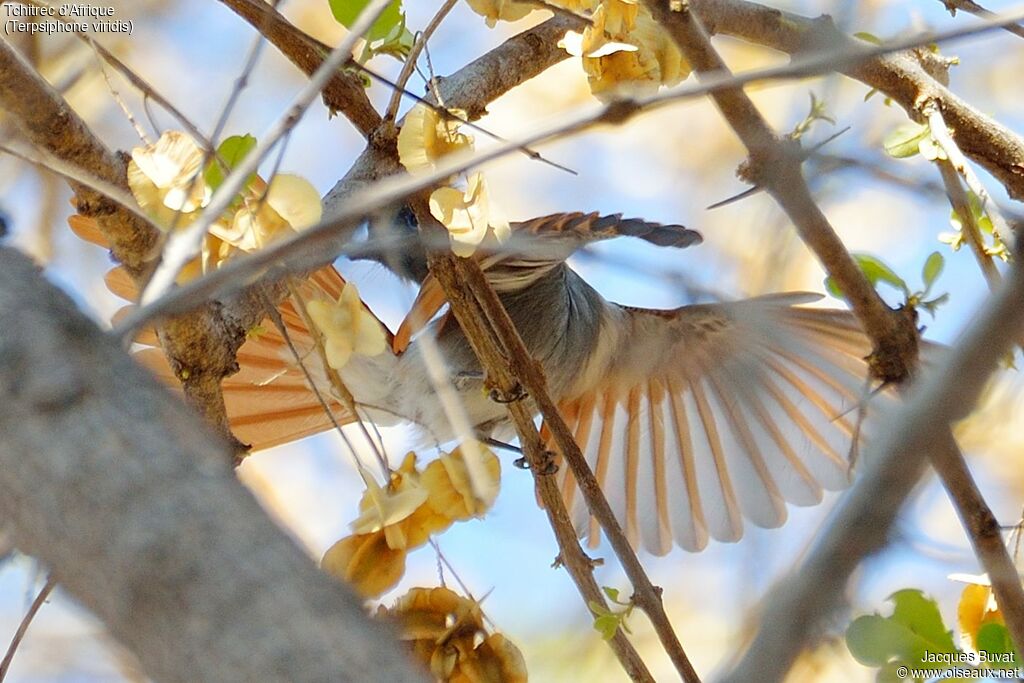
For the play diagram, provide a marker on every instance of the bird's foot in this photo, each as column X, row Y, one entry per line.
column 547, row 465
column 518, row 393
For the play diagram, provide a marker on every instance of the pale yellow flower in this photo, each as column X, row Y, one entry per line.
column 348, row 327
column 626, row 51
column 578, row 6
column 291, row 203
column 426, row 137
column 619, row 16
column 166, row 179
column 468, row 215
column 500, row 10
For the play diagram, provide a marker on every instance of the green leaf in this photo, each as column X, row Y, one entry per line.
column 932, row 269
column 347, row 11
column 930, row 306
column 868, row 37
column 230, row 153
column 905, row 141
column 606, row 625
column 832, row 287
column 875, row 270
column 874, row 640
column 914, row 629
column 994, row 640
column 921, row 614
column 612, row 593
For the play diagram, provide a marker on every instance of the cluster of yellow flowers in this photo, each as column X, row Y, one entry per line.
column 446, row 632
column 403, row 515
column 168, row 182
column 426, row 137
column 623, row 51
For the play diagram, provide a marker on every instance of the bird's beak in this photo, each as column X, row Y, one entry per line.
column 428, row 302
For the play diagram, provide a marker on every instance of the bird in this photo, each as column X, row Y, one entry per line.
column 695, row 420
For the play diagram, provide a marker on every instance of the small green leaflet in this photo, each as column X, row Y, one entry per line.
column 230, row 152
column 875, row 271
column 868, row 37
column 347, row 11
column 932, row 269
column 914, row 628
column 905, row 141
column 388, row 35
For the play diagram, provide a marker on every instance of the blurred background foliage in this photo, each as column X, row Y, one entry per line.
column 664, row 166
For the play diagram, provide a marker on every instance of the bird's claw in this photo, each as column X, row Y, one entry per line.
column 517, row 393
column 548, row 466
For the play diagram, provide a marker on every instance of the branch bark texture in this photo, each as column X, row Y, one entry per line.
column 201, row 346
column 893, row 464
column 906, row 77
column 129, row 499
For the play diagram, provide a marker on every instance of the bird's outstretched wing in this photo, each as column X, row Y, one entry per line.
column 709, row 414
column 268, row 401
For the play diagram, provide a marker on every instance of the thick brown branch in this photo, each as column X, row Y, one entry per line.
column 455, row 277
column 344, row 92
column 201, row 346
column 984, row 532
column 528, row 373
column 775, row 164
column 790, row 190
column 129, row 500
column 902, row 76
column 43, row 116
column 893, row 464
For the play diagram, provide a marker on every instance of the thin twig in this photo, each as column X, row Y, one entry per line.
column 275, row 317
column 893, row 463
column 983, row 531
column 974, row 8
column 148, row 91
column 318, row 244
column 183, row 245
column 335, row 378
column 939, row 130
column 467, row 310
column 76, row 174
column 26, row 620
column 410, row 62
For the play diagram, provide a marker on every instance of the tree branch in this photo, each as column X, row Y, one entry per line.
column 200, row 345
column 902, row 76
column 113, row 484
column 783, row 179
column 775, row 164
column 344, row 92
column 456, row 277
column 893, row 464
column 976, row 9
column 984, row 532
